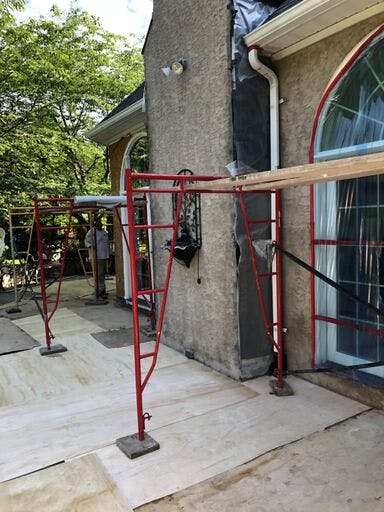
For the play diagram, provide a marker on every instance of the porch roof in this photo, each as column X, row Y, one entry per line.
column 128, row 117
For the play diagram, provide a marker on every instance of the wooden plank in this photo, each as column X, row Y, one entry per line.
column 38, row 434
column 299, row 476
column 81, row 485
column 332, row 170
column 203, row 446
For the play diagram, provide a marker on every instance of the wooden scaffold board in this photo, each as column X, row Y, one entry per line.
column 332, row 170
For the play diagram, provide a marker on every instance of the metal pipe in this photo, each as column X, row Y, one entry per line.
column 312, row 277
column 42, row 274
column 13, row 260
column 135, row 305
column 270, row 75
column 278, row 303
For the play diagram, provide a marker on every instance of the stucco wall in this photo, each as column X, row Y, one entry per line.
column 116, row 155
column 303, row 79
column 190, row 127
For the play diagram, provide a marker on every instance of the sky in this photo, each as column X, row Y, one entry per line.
column 118, row 16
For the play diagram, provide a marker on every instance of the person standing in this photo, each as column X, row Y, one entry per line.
column 97, row 238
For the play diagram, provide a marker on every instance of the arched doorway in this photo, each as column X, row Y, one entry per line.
column 348, row 216
column 135, row 157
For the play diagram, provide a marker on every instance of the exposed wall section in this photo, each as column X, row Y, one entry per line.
column 251, row 135
column 190, row 127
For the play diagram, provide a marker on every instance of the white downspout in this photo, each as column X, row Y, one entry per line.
column 273, row 81
column 274, row 102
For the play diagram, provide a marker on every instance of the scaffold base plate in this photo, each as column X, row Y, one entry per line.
column 148, row 331
column 133, row 447
column 96, row 302
column 12, row 311
column 55, row 349
column 286, row 390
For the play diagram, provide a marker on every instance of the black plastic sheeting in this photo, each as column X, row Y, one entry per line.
column 251, row 128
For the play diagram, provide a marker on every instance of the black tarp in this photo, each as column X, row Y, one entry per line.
column 251, row 129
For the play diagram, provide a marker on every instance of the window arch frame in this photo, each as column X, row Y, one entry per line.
column 338, row 76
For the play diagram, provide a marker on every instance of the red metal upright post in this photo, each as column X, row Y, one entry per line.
column 138, row 356
column 55, row 206
column 135, row 305
column 278, row 277
column 40, row 250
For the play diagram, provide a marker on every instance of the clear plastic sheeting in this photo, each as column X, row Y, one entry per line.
column 264, row 249
column 349, row 219
column 236, row 168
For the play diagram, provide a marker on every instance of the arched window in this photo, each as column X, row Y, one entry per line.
column 349, row 215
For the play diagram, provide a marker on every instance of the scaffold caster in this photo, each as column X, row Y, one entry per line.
column 133, row 447
column 55, row 349
column 286, row 390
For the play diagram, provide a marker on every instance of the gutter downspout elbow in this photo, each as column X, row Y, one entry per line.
column 270, row 75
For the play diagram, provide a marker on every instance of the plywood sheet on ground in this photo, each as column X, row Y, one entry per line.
column 203, row 446
column 117, row 338
column 28, row 377
column 64, row 322
column 81, row 485
column 107, row 316
column 38, row 434
column 338, row 470
column 14, row 339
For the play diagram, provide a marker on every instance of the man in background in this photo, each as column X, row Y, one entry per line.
column 97, row 238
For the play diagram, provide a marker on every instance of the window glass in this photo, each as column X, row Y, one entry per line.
column 349, row 214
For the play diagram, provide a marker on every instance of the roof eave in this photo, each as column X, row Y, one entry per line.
column 309, row 22
column 103, row 132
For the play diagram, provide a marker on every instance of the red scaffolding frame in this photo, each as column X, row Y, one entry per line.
column 182, row 186
column 53, row 207
column 66, row 207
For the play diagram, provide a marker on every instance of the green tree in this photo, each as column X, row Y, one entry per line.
column 58, row 77
column 7, row 7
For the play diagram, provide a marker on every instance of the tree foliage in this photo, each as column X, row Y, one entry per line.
column 58, row 77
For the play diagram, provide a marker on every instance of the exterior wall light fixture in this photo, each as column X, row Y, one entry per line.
column 177, row 68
